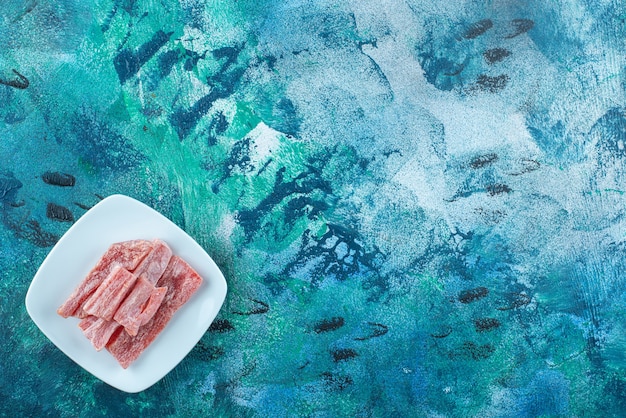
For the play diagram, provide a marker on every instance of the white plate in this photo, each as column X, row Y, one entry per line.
column 120, row 218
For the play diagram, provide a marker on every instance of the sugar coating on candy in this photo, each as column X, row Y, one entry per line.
column 130, row 295
column 182, row 281
column 127, row 254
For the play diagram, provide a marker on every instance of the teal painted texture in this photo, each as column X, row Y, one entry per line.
column 418, row 206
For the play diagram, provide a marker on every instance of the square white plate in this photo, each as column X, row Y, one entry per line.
column 120, row 218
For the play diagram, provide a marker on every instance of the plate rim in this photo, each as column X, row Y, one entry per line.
column 126, row 380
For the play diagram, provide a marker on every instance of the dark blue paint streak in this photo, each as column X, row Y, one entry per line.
column 167, row 61
column 128, row 63
column 101, row 146
column 307, row 183
column 286, row 118
column 223, row 84
column 239, row 157
column 218, row 126
column 8, row 187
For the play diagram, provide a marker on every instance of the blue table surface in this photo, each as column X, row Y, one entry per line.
column 419, row 206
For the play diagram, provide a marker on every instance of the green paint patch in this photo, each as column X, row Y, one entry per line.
column 86, row 166
column 244, row 121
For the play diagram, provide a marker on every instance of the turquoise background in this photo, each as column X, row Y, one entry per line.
column 419, row 206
